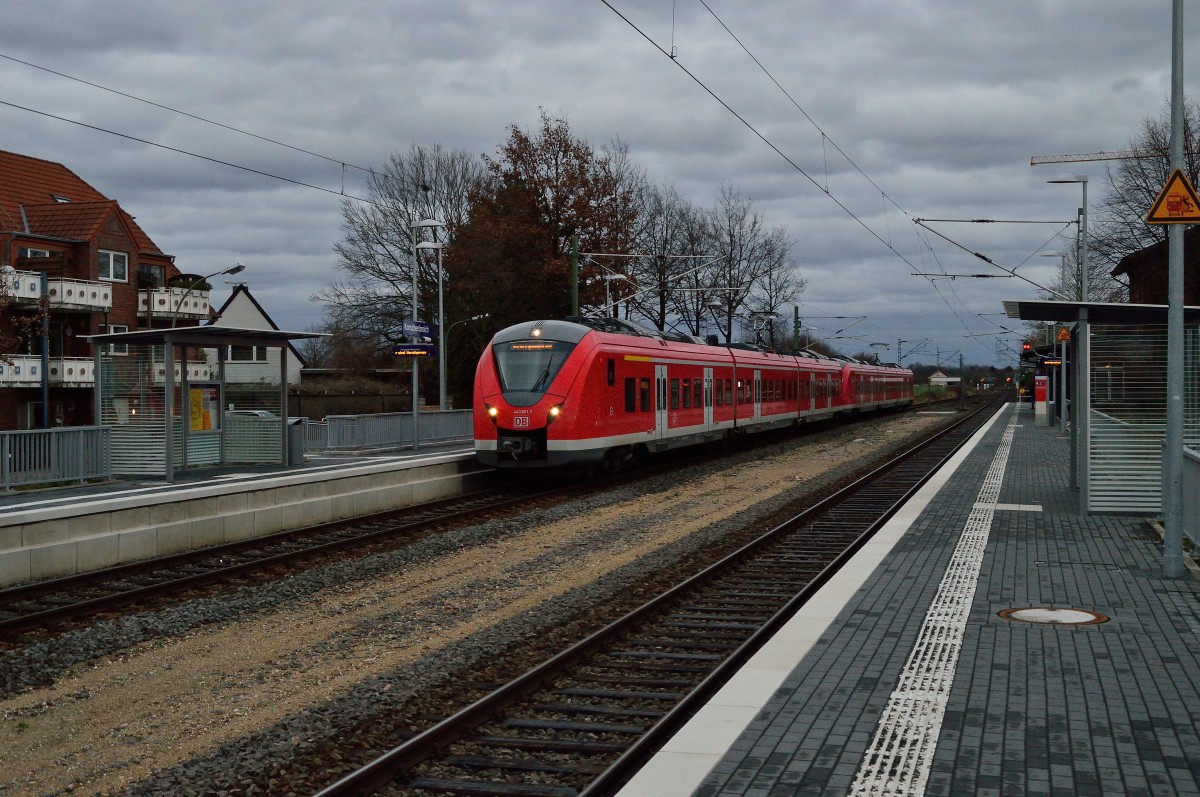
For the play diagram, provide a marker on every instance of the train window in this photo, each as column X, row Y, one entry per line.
column 728, row 391
column 530, row 365
column 674, row 394
column 698, row 393
column 612, row 372
column 630, row 393
column 644, row 394
column 720, row 392
column 741, row 392
column 687, row 393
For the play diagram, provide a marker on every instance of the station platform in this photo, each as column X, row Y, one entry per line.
column 86, row 527
column 912, row 674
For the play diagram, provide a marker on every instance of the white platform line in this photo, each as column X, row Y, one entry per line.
column 679, row 768
column 900, row 756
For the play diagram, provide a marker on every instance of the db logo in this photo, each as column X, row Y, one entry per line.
column 521, row 421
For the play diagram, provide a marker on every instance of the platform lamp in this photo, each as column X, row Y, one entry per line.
column 441, row 312
column 412, row 228
column 1083, row 242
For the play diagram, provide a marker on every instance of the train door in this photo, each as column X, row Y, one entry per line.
column 757, row 396
column 661, row 408
column 708, row 399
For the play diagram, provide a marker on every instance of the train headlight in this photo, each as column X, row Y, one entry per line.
column 555, row 411
column 492, row 412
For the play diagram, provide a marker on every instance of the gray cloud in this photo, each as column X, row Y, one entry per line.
column 940, row 102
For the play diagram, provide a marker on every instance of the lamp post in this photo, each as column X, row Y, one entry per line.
column 236, row 269
column 1080, row 430
column 1083, row 234
column 1062, row 354
column 441, row 338
column 412, row 228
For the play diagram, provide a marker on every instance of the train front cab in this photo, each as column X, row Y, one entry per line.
column 521, row 390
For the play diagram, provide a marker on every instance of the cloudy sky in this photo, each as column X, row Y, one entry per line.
column 937, row 104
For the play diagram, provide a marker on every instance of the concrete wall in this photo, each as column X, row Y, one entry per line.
column 96, row 533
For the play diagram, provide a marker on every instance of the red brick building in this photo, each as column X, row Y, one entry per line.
column 98, row 270
column 1146, row 271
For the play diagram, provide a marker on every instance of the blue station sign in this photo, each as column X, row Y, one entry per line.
column 424, row 329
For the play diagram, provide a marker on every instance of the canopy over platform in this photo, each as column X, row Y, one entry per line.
column 209, row 336
column 1111, row 314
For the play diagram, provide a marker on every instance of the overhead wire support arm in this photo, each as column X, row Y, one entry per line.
column 990, row 262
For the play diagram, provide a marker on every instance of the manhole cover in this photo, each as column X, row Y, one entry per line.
column 1038, row 614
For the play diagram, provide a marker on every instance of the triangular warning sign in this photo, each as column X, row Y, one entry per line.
column 1064, row 334
column 1177, row 204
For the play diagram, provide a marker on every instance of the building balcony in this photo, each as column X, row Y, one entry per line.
column 182, row 303
column 64, row 293
column 25, row 370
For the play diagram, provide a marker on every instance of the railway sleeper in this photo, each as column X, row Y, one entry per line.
column 523, row 765
column 529, row 723
column 615, row 694
column 624, row 680
column 711, row 625
column 668, row 656
column 487, row 788
column 575, row 747
column 688, row 644
column 641, row 665
column 587, row 709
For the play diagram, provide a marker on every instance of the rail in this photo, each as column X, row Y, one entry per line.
column 48, row 456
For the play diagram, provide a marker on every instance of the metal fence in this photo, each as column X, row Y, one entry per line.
column 390, row 430
column 1191, row 496
column 49, row 456
column 1127, row 423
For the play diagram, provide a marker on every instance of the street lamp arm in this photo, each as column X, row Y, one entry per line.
column 234, row 269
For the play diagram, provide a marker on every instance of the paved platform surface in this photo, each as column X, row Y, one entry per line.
column 914, row 683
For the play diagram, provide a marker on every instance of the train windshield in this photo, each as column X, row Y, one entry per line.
column 529, row 366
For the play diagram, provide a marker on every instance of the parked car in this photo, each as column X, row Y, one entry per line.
column 253, row 413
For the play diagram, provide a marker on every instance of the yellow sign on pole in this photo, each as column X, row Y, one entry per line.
column 1064, row 335
column 1177, row 204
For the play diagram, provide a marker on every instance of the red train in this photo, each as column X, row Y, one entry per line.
column 599, row 391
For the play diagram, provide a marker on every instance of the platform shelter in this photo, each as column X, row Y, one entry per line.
column 166, row 403
column 1119, row 411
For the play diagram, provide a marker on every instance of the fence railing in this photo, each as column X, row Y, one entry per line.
column 391, row 430
column 1191, row 495
column 48, row 456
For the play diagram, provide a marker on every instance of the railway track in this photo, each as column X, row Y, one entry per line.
column 74, row 598
column 582, row 722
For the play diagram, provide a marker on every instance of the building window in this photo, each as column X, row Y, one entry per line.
column 114, row 266
column 116, row 348
column 24, row 252
column 248, row 354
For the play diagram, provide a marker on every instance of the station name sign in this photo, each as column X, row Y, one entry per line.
column 424, row 329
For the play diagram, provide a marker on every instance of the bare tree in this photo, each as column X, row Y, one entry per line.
column 376, row 250
column 747, row 251
column 1120, row 227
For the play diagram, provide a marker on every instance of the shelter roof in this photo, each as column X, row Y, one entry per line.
column 1113, row 314
column 205, row 336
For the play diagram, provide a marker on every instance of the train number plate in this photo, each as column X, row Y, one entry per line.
column 521, row 421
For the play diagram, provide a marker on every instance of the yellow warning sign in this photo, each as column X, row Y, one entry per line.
column 1177, row 204
column 1064, row 334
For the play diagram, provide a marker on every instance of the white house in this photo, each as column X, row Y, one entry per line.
column 938, row 379
column 252, row 364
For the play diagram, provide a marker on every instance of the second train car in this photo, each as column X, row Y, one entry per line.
column 598, row 392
